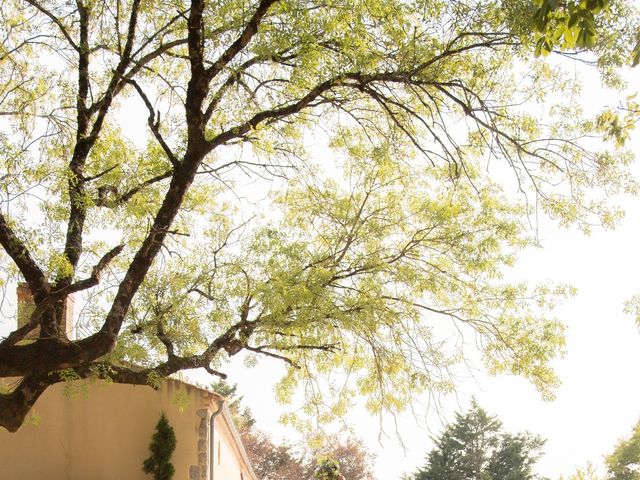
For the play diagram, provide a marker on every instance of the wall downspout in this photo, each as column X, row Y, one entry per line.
column 212, row 449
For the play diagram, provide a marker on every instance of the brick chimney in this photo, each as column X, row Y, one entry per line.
column 26, row 308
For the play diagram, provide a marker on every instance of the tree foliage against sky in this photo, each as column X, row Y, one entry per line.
column 571, row 24
column 279, row 461
column 474, row 447
column 624, row 462
column 213, row 228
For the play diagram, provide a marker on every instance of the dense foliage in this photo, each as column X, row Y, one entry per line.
column 571, row 24
column 336, row 184
column 474, row 447
column 328, row 469
column 624, row 462
column 279, row 461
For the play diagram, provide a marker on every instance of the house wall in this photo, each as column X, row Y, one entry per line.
column 228, row 463
column 103, row 432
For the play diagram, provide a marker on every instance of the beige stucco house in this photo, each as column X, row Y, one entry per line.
column 102, row 432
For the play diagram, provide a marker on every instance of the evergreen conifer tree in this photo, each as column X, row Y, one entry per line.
column 162, row 445
column 474, row 447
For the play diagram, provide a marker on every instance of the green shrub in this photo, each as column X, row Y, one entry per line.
column 163, row 443
column 328, row 469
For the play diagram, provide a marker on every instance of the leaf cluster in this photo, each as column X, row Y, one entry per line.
column 567, row 25
column 585, row 25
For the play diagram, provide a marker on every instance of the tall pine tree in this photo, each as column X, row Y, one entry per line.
column 474, row 447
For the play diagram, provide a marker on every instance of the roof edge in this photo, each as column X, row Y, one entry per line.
column 226, row 414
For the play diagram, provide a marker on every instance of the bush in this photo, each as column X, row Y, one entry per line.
column 163, row 443
column 328, row 470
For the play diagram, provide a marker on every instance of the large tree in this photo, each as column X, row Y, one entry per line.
column 474, row 447
column 378, row 255
column 273, row 461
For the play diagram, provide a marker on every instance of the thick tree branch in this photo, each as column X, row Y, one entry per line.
column 102, row 341
column 15, row 406
column 195, row 42
column 34, row 320
column 77, row 214
column 86, row 140
column 50, row 300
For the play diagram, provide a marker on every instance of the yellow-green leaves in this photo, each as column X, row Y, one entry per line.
column 623, row 462
column 387, row 262
column 567, row 25
column 59, row 266
column 632, row 307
